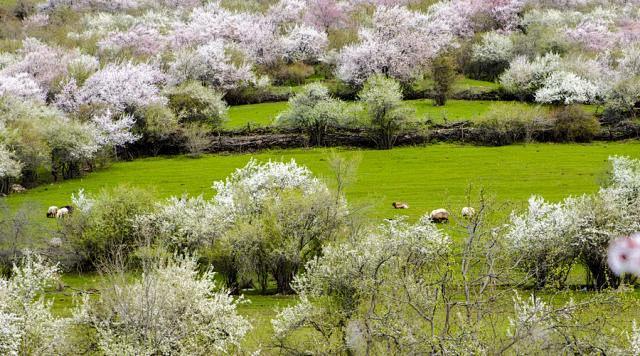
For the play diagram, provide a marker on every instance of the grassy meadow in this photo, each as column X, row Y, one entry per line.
column 426, row 177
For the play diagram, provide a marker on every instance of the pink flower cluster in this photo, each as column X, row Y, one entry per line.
column 624, row 255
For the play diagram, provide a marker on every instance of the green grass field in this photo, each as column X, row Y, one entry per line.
column 426, row 177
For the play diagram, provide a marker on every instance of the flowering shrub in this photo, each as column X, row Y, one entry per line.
column 386, row 116
column 566, row 88
column 172, row 309
column 21, row 86
column 494, row 48
column 578, row 228
column 193, row 102
column 183, row 223
column 247, row 189
column 312, row 110
column 492, row 54
column 28, row 327
column 114, row 132
column 304, row 43
column 524, row 77
column 366, row 284
column 123, row 86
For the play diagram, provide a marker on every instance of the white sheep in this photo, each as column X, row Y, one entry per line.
column 439, row 216
column 468, row 212
column 52, row 211
column 62, row 212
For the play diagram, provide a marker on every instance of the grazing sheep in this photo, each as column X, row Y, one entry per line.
column 52, row 211
column 400, row 205
column 439, row 216
column 62, row 212
column 68, row 207
column 17, row 188
column 468, row 212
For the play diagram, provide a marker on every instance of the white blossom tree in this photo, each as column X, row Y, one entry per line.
column 304, row 43
column 369, row 293
column 114, row 132
column 567, row 88
column 10, row 168
column 28, row 327
column 210, row 64
column 172, row 308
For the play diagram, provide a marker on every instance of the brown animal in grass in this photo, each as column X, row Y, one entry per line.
column 400, row 205
column 439, row 216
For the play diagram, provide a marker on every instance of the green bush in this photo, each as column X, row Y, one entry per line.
column 292, row 74
column 193, row 102
column 103, row 231
column 503, row 125
column 572, row 123
column 443, row 71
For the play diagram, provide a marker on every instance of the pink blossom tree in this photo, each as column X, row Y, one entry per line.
column 325, row 14
column 210, row 64
column 400, row 44
column 123, row 86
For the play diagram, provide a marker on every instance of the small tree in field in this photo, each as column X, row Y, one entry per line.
column 193, row 102
column 444, row 74
column 386, row 116
column 313, row 111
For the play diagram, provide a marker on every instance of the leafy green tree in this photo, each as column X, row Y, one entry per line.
column 193, row 102
column 443, row 71
column 314, row 111
column 385, row 114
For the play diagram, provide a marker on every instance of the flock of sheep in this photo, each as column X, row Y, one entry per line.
column 58, row 213
column 439, row 215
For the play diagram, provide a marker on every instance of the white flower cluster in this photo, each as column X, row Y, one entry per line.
column 26, row 323
column 112, row 132
column 10, row 167
column 120, row 86
column 246, row 189
column 567, row 88
column 385, row 267
column 535, row 322
column 184, row 222
column 304, row 43
column 526, row 77
column 173, row 309
column 495, row 48
column 21, row 86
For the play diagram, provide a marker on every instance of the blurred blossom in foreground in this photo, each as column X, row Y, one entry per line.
column 624, row 255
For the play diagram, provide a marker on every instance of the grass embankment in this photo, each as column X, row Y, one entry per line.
column 264, row 114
